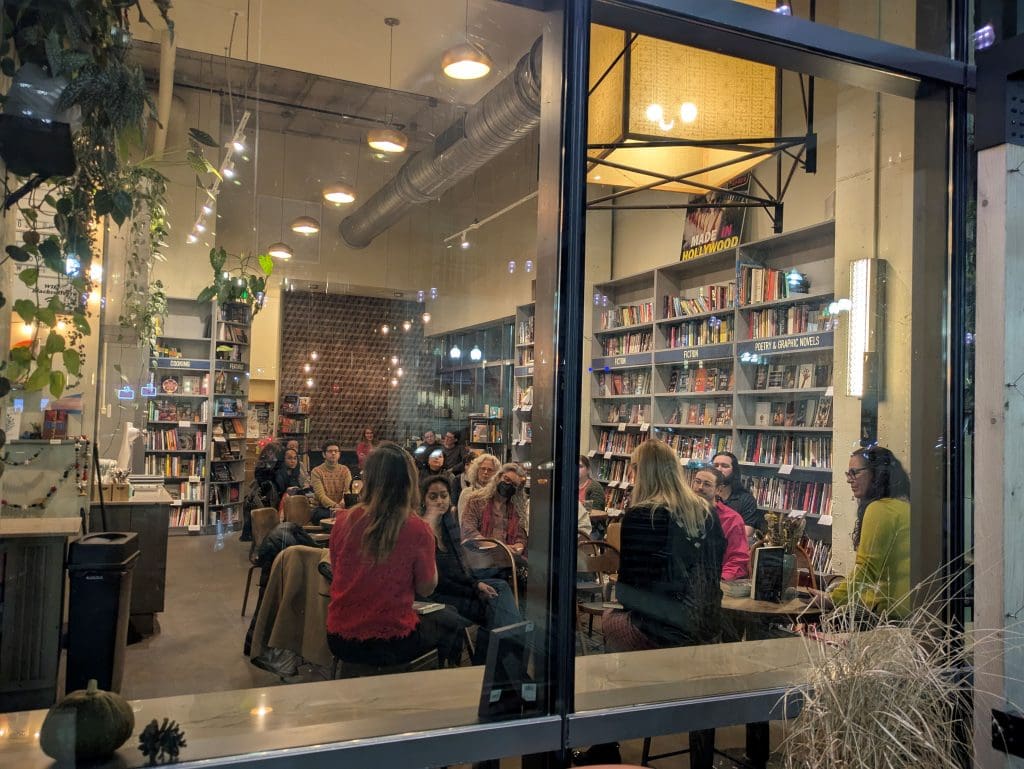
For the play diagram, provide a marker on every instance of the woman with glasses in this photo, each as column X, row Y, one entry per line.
column 880, row 580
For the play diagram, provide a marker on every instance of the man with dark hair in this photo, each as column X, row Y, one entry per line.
column 424, row 450
column 710, row 484
column 331, row 481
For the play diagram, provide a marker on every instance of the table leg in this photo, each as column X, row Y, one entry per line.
column 758, row 744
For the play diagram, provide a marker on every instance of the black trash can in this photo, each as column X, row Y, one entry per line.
column 100, row 571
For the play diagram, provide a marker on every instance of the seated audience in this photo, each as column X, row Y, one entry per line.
column 710, row 484
column 293, row 444
column 331, row 481
column 290, row 477
column 880, row 580
column 498, row 510
column 478, row 474
column 489, row 602
column 435, row 466
column 382, row 557
column 423, row 451
column 736, row 495
column 590, row 490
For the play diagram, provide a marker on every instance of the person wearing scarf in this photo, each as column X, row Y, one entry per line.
column 499, row 510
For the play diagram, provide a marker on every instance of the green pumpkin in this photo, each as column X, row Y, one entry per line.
column 86, row 725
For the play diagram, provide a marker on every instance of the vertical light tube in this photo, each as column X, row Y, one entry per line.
column 860, row 325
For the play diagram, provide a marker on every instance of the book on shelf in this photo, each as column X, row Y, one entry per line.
column 626, row 315
column 806, row 451
column 805, row 376
column 695, row 333
column 627, row 344
column 290, row 425
column 784, row 321
column 718, row 296
column 290, row 404
column 823, row 414
column 762, row 413
column 524, row 331
column 232, row 333
column 823, row 375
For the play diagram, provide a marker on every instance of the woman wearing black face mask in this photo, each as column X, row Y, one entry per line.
column 499, row 510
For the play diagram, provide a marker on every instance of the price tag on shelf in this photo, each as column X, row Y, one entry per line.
column 175, row 503
column 55, row 441
column 607, row 455
column 785, row 469
column 796, row 513
column 622, row 427
column 194, row 527
column 645, row 426
column 829, row 391
column 194, row 479
column 825, row 520
column 592, row 453
column 183, row 423
column 613, row 484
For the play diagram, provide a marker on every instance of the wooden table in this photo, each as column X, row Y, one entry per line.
column 327, row 524
column 795, row 609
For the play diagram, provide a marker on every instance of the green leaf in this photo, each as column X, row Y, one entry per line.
column 47, row 316
column 39, row 378
column 122, row 207
column 73, row 362
column 103, row 203
column 55, row 304
column 49, row 249
column 58, row 381
column 202, row 137
column 206, row 294
column 217, row 258
column 197, row 162
column 15, row 370
column 18, row 254
column 26, row 309
column 22, row 355
column 266, row 263
column 81, row 323
column 54, row 343
column 29, row 276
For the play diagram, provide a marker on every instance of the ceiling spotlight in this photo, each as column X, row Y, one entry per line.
column 192, row 238
column 200, row 227
column 229, row 171
column 425, row 317
column 688, row 112
column 238, row 145
column 784, row 9
column 389, row 140
column 529, row 265
column 455, row 353
column 314, row 355
column 306, row 225
column 339, row 193
column 465, row 62
column 207, row 209
column 280, row 251
column 464, row 243
column 406, row 325
column 511, row 266
column 475, row 353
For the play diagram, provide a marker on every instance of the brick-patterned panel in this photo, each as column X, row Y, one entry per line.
column 352, row 375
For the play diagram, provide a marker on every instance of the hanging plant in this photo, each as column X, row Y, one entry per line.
column 93, row 106
column 241, row 283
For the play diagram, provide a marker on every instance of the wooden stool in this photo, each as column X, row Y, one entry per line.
column 343, row 669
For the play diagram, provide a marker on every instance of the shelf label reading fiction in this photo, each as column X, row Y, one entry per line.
column 636, row 359
column 794, row 342
column 704, row 352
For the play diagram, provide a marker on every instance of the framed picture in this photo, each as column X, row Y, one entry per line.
column 507, row 687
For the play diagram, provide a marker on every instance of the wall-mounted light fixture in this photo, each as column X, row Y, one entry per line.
column 863, row 334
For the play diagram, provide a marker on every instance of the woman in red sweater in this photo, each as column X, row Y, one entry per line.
column 382, row 555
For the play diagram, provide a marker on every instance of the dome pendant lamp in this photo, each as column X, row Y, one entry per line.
column 388, row 138
column 282, row 250
column 305, row 225
column 339, row 193
column 465, row 61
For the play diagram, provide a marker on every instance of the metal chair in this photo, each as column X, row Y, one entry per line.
column 264, row 519
column 597, row 565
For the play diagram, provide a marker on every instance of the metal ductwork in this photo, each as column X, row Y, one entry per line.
column 501, row 118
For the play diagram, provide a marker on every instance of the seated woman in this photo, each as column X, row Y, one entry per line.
column 487, row 603
column 290, row 477
column 880, row 580
column 500, row 511
column 478, row 474
column 382, row 556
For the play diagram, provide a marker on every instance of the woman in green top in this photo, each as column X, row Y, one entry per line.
column 880, row 580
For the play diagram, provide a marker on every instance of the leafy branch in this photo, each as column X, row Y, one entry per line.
column 246, row 283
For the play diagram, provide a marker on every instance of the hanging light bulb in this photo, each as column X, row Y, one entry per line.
column 425, row 317
column 399, row 371
column 394, row 381
column 475, row 353
column 406, row 325
column 305, row 225
column 433, row 293
column 420, row 295
column 455, row 353
column 280, row 251
column 388, row 139
column 307, row 368
column 394, row 360
column 309, row 382
column 314, row 355
column 385, row 329
column 465, row 62
column 511, row 266
column 339, row 193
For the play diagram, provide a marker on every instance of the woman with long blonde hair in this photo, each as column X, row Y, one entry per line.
column 382, row 556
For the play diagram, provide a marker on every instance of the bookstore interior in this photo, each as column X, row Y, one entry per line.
column 758, row 306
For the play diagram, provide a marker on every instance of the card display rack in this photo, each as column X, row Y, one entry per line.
column 522, row 378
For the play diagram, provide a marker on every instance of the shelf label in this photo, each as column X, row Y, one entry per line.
column 645, row 426
column 175, row 503
column 524, row 370
column 704, row 352
column 785, row 469
column 194, row 479
column 613, row 484
column 227, row 365
column 792, row 343
column 636, row 359
column 592, row 453
column 622, row 427
column 194, row 527
column 183, row 423
column 201, row 365
column 829, row 391
column 607, row 455
column 55, row 441
column 796, row 513
column 825, row 520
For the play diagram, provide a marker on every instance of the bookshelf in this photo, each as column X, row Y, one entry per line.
column 195, row 387
column 293, row 420
column 522, row 378
column 486, row 431
column 722, row 354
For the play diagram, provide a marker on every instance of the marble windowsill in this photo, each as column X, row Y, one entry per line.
column 243, row 722
column 40, row 527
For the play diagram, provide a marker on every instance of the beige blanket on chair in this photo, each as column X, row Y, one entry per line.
column 293, row 615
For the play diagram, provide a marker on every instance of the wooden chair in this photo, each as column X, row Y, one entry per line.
column 496, row 556
column 297, row 509
column 597, row 565
column 613, row 535
column 264, row 519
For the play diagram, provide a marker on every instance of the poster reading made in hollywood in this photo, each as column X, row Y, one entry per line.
column 711, row 228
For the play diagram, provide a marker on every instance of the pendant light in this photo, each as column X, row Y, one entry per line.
column 306, row 225
column 339, row 193
column 282, row 250
column 388, row 138
column 465, row 61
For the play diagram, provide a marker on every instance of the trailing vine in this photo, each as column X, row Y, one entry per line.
column 241, row 283
column 81, row 47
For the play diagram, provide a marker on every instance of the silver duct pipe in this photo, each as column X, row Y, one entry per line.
column 501, row 118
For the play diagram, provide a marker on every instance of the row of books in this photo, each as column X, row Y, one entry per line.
column 177, row 466
column 618, row 443
column 788, row 449
column 173, row 440
column 617, row 470
column 699, row 447
column 524, row 396
column 224, row 495
column 295, row 404
column 223, row 450
column 626, row 344
column 229, row 428
column 781, row 321
column 631, row 413
column 524, row 331
column 228, row 384
column 804, row 412
column 698, row 332
column 485, row 432
column 699, row 379
column 624, row 383
column 710, row 412
column 782, row 494
column 616, row 498
column 191, row 515
column 164, row 410
column 524, row 356
column 761, row 284
column 718, row 296
column 189, row 491
column 232, row 334
column 230, row 407
column 820, row 555
column 626, row 315
column 290, row 425
column 792, row 377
